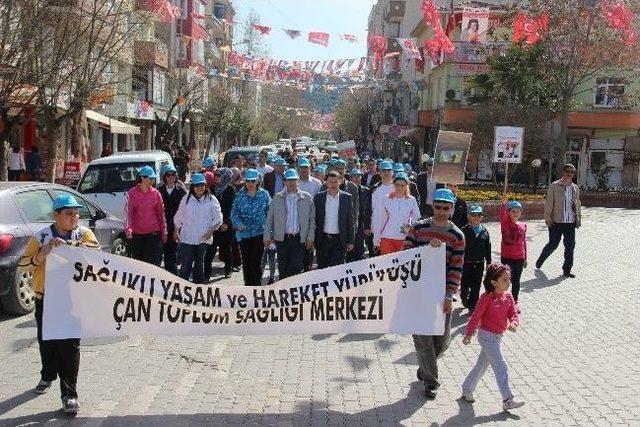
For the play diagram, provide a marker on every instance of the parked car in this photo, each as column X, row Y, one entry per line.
column 25, row 208
column 107, row 180
column 245, row 152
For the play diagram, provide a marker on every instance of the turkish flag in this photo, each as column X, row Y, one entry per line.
column 319, row 38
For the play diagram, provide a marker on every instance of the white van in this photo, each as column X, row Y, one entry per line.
column 107, row 180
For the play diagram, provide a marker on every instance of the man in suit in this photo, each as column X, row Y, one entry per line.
column 340, row 166
column 274, row 181
column 291, row 224
column 335, row 232
column 459, row 216
column 426, row 188
column 364, row 217
column 372, row 177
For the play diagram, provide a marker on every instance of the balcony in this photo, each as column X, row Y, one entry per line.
column 154, row 52
column 396, row 10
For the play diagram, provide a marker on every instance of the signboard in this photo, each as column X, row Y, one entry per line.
column 94, row 294
column 450, row 157
column 465, row 70
column 347, row 149
column 475, row 23
column 474, row 52
column 508, row 143
column 71, row 174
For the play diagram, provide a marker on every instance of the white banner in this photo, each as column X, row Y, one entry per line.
column 93, row 294
column 508, row 144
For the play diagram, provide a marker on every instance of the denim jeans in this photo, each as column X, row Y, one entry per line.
column 192, row 261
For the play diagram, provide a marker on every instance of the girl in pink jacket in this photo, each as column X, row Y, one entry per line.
column 513, row 249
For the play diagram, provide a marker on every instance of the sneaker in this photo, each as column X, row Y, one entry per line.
column 511, row 404
column 430, row 393
column 468, row 396
column 538, row 264
column 42, row 387
column 569, row 274
column 70, row 405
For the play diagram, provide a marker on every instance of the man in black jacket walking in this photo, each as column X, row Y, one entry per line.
column 364, row 217
column 477, row 252
column 172, row 192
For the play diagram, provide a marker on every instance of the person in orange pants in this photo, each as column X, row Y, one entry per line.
column 400, row 209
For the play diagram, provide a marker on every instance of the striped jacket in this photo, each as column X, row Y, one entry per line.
column 425, row 230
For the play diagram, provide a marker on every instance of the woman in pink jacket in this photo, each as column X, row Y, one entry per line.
column 513, row 249
column 145, row 224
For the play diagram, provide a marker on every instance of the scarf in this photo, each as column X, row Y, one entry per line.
column 224, row 180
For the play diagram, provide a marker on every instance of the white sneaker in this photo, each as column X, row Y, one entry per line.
column 511, row 404
column 467, row 396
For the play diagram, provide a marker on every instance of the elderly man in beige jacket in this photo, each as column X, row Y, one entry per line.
column 562, row 215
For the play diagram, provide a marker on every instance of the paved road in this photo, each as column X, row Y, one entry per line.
column 575, row 361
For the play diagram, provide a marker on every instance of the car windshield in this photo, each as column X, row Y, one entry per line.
column 111, row 178
column 230, row 156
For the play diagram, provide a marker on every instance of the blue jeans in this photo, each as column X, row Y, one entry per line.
column 192, row 260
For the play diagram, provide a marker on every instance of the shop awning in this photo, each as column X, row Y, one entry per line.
column 115, row 126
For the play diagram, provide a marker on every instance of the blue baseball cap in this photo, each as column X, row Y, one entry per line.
column 355, row 171
column 251, row 175
column 514, row 204
column 208, row 162
column 304, row 163
column 197, row 179
column 476, row 209
column 147, row 172
column 444, row 195
column 320, row 169
column 385, row 166
column 166, row 169
column 280, row 162
column 340, row 162
column 65, row 201
column 291, row 174
column 398, row 167
column 407, row 167
column 401, row 175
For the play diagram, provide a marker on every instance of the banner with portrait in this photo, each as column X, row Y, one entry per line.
column 475, row 24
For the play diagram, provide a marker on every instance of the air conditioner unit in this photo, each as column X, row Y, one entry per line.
column 453, row 95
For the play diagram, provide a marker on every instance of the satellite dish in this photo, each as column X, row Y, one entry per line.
column 450, row 94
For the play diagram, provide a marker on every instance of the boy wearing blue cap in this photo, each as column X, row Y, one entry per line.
column 59, row 358
column 477, row 252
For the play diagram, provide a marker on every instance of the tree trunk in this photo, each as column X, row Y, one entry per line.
column 52, row 127
column 561, row 145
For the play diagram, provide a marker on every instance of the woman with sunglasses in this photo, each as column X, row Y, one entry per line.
column 400, row 210
column 198, row 217
column 223, row 237
column 248, row 215
column 172, row 192
column 145, row 223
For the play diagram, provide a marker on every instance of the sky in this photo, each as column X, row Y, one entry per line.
column 330, row 16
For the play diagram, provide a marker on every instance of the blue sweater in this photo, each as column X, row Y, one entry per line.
column 251, row 212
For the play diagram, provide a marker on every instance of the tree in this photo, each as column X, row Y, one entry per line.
column 217, row 115
column 353, row 113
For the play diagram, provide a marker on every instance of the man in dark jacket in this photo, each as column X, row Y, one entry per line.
column 426, row 189
column 459, row 216
column 364, row 217
column 477, row 252
column 372, row 177
column 335, row 233
column 274, row 180
column 172, row 192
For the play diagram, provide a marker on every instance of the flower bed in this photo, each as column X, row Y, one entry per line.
column 485, row 195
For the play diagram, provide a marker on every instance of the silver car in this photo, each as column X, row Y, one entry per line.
column 25, row 208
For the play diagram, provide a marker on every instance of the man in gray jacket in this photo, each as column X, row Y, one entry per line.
column 291, row 224
column 562, row 215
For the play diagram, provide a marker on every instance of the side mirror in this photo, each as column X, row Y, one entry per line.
column 100, row 214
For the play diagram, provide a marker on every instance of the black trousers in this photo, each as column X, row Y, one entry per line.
column 359, row 249
column 516, row 265
column 329, row 251
column 59, row 358
column 290, row 256
column 308, row 259
column 170, row 251
column 471, row 282
column 566, row 232
column 147, row 248
column 370, row 246
column 14, row 175
column 251, row 250
column 426, row 211
column 222, row 241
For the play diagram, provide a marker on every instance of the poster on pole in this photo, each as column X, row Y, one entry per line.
column 347, row 149
column 93, row 294
column 508, row 144
column 450, row 159
column 475, row 24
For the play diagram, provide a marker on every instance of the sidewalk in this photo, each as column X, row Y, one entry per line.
column 574, row 361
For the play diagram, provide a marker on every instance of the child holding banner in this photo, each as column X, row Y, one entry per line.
column 60, row 358
column 513, row 249
column 496, row 312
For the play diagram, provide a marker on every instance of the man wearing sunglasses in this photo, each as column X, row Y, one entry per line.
column 562, row 215
column 435, row 231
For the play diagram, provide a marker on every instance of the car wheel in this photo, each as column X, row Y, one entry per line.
column 21, row 299
column 119, row 247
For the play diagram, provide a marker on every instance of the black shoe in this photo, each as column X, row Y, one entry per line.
column 569, row 274
column 419, row 375
column 227, row 275
column 430, row 393
column 271, row 281
column 42, row 387
column 538, row 264
column 70, row 405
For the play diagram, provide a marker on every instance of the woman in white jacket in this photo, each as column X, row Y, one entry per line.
column 198, row 216
column 400, row 210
